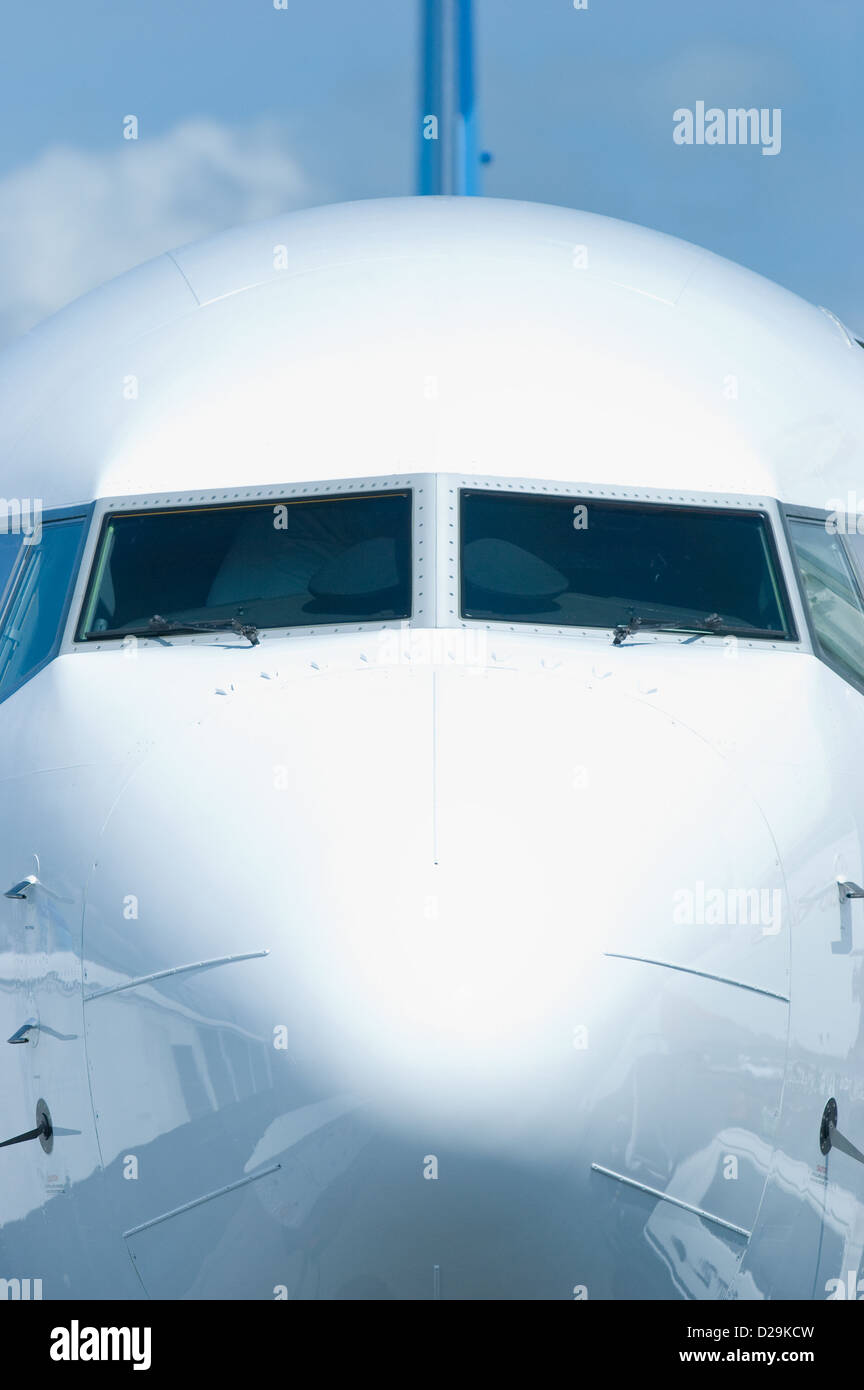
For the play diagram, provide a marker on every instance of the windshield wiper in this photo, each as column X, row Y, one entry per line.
column 715, row 623
column 712, row 626
column 158, row 625
column 634, row 623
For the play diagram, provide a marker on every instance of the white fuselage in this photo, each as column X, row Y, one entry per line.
column 441, row 958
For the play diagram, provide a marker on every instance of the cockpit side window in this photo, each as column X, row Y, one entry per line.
column 853, row 540
column 298, row 563
column 589, row 562
column 832, row 594
column 10, row 548
column 41, row 575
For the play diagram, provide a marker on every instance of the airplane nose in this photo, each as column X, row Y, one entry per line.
column 442, row 866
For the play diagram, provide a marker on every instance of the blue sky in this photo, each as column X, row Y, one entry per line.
column 246, row 110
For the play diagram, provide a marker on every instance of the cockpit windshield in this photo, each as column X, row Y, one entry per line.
column 291, row 563
column 585, row 562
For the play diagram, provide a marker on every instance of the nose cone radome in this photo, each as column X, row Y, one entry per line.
column 441, row 865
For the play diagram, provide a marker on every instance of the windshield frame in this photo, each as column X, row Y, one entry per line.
column 576, row 493
column 417, row 486
column 436, row 543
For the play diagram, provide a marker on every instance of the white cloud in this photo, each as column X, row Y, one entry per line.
column 74, row 218
column 720, row 74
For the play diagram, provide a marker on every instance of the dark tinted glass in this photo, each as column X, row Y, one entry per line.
column 595, row 564
column 285, row 564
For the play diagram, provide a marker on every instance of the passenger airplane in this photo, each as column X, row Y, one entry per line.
column 431, row 676
column 432, row 806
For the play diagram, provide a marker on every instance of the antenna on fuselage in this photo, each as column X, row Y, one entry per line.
column 448, row 114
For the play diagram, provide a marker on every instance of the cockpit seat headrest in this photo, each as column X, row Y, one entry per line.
column 500, row 567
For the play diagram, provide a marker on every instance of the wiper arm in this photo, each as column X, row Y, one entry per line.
column 712, row 626
column 158, row 625
column 634, row 623
column 719, row 625
column 247, row 630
